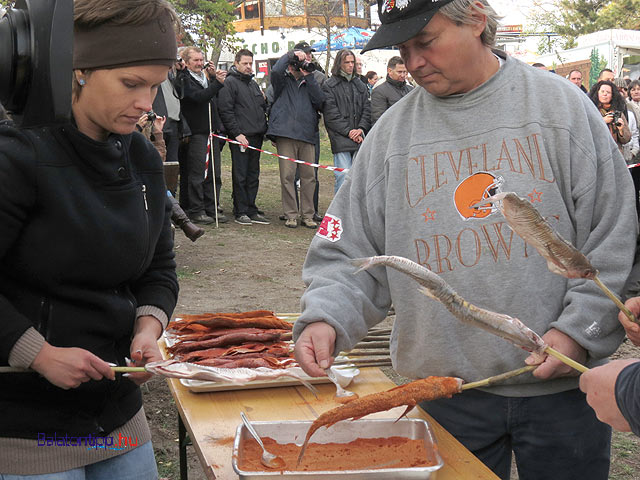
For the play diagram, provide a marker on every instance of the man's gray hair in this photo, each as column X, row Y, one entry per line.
column 461, row 12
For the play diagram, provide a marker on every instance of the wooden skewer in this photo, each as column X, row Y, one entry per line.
column 115, row 369
column 379, row 331
column 128, row 369
column 498, row 378
column 566, row 360
column 364, row 353
column 371, row 345
column 616, row 300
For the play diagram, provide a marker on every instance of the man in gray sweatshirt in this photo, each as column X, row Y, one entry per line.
column 479, row 123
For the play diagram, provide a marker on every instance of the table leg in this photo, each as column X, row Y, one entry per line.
column 182, row 448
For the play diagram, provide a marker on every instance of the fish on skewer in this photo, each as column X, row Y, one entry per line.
column 562, row 257
column 410, row 394
column 435, row 287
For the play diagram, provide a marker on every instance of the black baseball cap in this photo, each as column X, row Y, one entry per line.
column 401, row 20
column 305, row 47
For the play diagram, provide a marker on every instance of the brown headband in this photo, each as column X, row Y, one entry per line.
column 112, row 46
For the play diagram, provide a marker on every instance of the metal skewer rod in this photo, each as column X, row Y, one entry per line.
column 357, row 364
column 616, row 300
column 360, row 361
column 498, row 378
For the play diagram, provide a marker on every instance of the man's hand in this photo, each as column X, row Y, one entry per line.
column 632, row 329
column 357, row 135
column 599, row 384
column 314, row 348
column 243, row 140
column 69, row 367
column 144, row 346
column 551, row 367
column 220, row 75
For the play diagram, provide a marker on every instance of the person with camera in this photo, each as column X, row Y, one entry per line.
column 320, row 77
column 347, row 112
column 242, row 108
column 613, row 108
column 293, row 126
column 201, row 85
column 88, row 273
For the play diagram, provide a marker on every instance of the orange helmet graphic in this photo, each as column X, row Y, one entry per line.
column 473, row 190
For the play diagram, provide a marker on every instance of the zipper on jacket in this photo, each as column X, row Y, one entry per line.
column 146, row 224
column 45, row 314
column 144, row 196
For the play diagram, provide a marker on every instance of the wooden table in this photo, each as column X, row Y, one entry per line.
column 211, row 419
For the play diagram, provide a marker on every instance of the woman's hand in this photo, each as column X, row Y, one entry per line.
column 144, row 346
column 608, row 118
column 69, row 367
column 158, row 124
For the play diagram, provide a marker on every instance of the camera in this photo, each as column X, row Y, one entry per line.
column 36, row 42
column 207, row 65
column 151, row 116
column 302, row 64
column 616, row 116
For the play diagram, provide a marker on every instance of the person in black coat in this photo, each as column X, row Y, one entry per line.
column 242, row 107
column 395, row 87
column 87, row 270
column 201, row 85
column 347, row 112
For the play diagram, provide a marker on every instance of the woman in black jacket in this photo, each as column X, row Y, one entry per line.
column 87, row 271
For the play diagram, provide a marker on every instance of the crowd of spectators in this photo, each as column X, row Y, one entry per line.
column 198, row 99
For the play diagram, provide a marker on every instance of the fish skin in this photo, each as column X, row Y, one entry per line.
column 525, row 220
column 434, row 286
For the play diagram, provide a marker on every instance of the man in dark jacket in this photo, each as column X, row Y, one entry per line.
column 347, row 112
column 242, row 108
column 293, row 126
column 393, row 89
column 200, row 87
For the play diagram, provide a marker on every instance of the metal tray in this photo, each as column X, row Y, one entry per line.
column 343, row 432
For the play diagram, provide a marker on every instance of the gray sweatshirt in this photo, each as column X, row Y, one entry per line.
column 408, row 195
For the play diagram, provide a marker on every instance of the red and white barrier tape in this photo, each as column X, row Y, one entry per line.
column 315, row 165
column 206, row 161
column 634, row 165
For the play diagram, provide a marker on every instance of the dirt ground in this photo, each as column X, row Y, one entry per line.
column 238, row 268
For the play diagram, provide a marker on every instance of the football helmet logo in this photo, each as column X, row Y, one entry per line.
column 474, row 189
